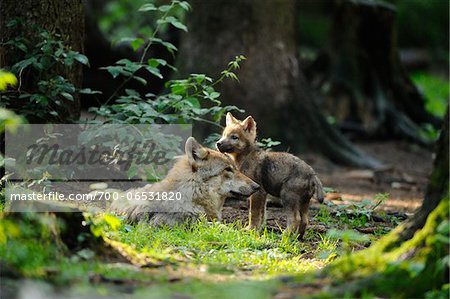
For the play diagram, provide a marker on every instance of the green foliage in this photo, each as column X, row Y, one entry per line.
column 435, row 90
column 8, row 117
column 436, row 93
column 43, row 95
column 29, row 257
column 182, row 104
column 7, row 79
column 399, row 269
column 123, row 18
column 354, row 213
column 31, row 247
column 415, row 28
column 268, row 143
column 186, row 100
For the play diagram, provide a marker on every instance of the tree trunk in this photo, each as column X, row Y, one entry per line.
column 64, row 17
column 272, row 87
column 438, row 187
column 367, row 89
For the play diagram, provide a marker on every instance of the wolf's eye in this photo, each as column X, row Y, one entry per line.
column 234, row 137
column 229, row 169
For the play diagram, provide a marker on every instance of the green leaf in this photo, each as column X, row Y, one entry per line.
column 115, row 71
column 24, row 63
column 194, row 102
column 22, row 47
column 148, row 7
column 164, row 8
column 154, row 62
column 67, row 96
column 141, row 80
column 89, row 91
column 124, row 61
column 154, row 71
column 214, row 95
column 176, row 23
column 132, row 171
column 178, row 88
column 137, row 43
column 81, row 59
column 185, row 5
column 169, row 46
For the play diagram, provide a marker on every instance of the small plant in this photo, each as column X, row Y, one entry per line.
column 186, row 100
column 268, row 143
column 359, row 211
column 42, row 97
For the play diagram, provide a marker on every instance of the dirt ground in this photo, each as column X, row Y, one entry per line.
column 404, row 178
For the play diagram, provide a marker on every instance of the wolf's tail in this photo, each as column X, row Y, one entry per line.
column 318, row 192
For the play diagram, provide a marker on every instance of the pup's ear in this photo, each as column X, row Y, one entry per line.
column 194, row 150
column 230, row 119
column 249, row 124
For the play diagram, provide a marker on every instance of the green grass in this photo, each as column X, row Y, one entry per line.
column 223, row 248
column 203, row 259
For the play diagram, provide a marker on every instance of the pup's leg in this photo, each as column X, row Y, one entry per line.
column 292, row 211
column 304, row 207
column 257, row 210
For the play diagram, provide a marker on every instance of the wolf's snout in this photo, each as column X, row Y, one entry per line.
column 255, row 187
column 249, row 190
column 224, row 147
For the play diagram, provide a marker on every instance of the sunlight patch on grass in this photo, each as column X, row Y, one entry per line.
column 223, row 248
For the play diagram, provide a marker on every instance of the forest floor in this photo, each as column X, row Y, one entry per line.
column 402, row 183
column 188, row 262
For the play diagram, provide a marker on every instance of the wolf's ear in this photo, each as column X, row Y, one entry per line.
column 230, row 119
column 194, row 150
column 249, row 124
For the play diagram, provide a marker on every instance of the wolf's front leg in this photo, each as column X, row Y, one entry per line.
column 304, row 207
column 291, row 210
column 257, row 214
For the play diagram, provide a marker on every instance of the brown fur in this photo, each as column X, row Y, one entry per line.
column 204, row 177
column 279, row 174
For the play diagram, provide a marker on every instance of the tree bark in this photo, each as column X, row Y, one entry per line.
column 438, row 187
column 367, row 89
column 64, row 17
column 272, row 87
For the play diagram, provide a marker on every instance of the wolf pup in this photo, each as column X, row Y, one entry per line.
column 279, row 174
column 202, row 177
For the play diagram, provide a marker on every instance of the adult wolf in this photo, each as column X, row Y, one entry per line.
column 279, row 174
column 203, row 179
